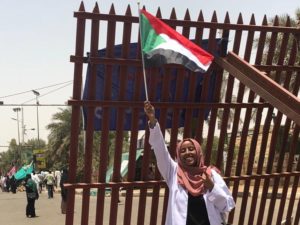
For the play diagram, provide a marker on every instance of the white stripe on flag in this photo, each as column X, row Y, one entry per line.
column 177, row 47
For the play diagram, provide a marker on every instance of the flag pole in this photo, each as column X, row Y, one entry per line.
column 143, row 62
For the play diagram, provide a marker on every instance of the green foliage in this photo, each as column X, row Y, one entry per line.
column 35, row 143
column 214, row 151
column 57, row 151
column 58, row 148
column 286, row 145
column 282, row 20
column 18, row 155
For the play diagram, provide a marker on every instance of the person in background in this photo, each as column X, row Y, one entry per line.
column 36, row 179
column 13, row 185
column 64, row 179
column 7, row 183
column 2, row 181
column 50, row 181
column 32, row 195
column 151, row 174
column 41, row 177
column 57, row 176
column 197, row 193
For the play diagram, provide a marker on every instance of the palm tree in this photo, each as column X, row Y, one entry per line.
column 10, row 157
column 59, row 139
column 282, row 21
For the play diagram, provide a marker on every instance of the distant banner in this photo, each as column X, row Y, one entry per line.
column 40, row 160
column 131, row 73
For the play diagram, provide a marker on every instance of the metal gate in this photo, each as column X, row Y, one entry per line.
column 254, row 144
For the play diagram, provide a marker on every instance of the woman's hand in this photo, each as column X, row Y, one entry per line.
column 150, row 112
column 207, row 180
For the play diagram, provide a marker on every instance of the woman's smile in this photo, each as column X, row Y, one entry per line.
column 188, row 153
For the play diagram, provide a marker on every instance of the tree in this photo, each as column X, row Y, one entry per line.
column 9, row 158
column 58, row 147
column 34, row 143
column 57, row 152
column 284, row 20
column 18, row 155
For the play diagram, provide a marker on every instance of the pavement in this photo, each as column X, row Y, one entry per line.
column 12, row 209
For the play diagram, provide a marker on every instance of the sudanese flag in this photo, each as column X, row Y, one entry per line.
column 163, row 45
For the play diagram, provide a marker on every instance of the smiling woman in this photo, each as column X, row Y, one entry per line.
column 198, row 194
column 192, row 173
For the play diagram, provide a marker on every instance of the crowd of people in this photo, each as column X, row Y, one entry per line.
column 8, row 184
column 34, row 184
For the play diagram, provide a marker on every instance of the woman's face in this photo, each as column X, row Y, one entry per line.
column 188, row 154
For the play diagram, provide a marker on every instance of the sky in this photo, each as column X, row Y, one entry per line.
column 38, row 37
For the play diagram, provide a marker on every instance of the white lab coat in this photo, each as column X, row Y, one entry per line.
column 218, row 201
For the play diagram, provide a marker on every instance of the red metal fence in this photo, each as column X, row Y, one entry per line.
column 254, row 144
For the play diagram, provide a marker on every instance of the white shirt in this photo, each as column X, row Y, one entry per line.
column 35, row 178
column 218, row 201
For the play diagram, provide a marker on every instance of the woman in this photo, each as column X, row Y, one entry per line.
column 197, row 193
column 31, row 194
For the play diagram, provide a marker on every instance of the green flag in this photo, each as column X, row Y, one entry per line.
column 21, row 174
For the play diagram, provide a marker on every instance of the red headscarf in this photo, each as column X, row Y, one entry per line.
column 190, row 176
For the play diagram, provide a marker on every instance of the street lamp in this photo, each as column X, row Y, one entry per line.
column 23, row 126
column 25, row 130
column 17, row 111
column 37, row 94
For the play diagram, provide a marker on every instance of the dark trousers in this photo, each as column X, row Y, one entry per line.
column 30, row 210
column 50, row 191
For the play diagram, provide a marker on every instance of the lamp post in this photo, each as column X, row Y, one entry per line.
column 23, row 126
column 18, row 153
column 17, row 111
column 37, row 94
column 25, row 129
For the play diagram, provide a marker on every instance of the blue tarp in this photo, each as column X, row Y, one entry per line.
column 131, row 72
